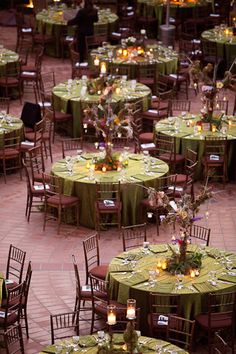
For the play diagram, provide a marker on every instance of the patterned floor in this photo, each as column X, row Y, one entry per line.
column 53, row 286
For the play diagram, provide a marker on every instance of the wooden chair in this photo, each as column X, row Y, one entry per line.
column 219, row 345
column 220, row 316
column 107, row 205
column 71, row 145
column 4, row 104
column 31, row 74
column 95, row 41
column 47, row 83
column 42, row 38
column 64, row 325
column 48, row 133
column 62, row 120
column 35, row 194
column 55, row 199
column 13, row 340
column 11, row 80
column 24, row 304
column 200, row 233
column 215, row 158
column 147, row 75
column 24, row 30
column 221, row 106
column 11, row 307
column 185, row 180
column 15, row 265
column 166, row 151
column 66, row 39
column 35, row 160
column 83, row 293
column 167, row 184
column 10, row 153
column 177, row 106
column 133, row 236
column 100, row 301
column 181, row 81
column 180, row 332
column 34, row 138
column 161, row 306
column 210, row 52
column 142, row 139
column 92, row 258
column 78, row 70
column 120, row 70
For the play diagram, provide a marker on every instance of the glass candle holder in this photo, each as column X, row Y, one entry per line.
column 111, row 315
column 131, row 309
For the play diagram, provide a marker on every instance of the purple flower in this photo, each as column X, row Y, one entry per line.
column 196, row 218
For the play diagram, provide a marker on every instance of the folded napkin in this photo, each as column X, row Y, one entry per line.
column 136, row 157
column 193, row 248
column 49, row 349
column 227, row 277
column 204, row 287
column 137, row 278
column 88, row 156
column 213, row 252
column 149, row 343
column 120, row 268
column 158, row 248
column 87, row 341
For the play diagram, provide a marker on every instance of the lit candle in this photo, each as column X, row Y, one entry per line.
column 125, row 52
column 118, row 168
column 159, row 263
column 213, row 128
column 126, row 162
column 164, row 265
column 88, row 165
column 197, row 272
column 190, row 122
column 111, row 315
column 92, row 167
column 199, row 128
column 119, row 51
column 131, row 309
column 227, row 31
column 96, row 61
column 117, row 90
column 103, row 68
column 96, row 144
column 192, row 273
column 157, row 272
column 149, row 214
column 104, row 169
column 230, row 123
column 120, row 158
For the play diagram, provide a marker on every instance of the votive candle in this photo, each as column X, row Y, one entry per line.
column 131, row 309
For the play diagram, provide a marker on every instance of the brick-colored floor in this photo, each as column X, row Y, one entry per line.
column 53, row 286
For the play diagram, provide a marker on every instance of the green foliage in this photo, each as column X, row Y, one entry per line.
column 192, row 261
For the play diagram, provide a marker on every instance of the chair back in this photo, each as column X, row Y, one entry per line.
column 215, row 146
column 200, row 233
column 108, row 191
column 165, row 147
column 165, row 88
column 36, row 162
column 64, row 325
column 13, row 340
column 77, row 278
column 91, row 253
column 221, row 107
column 71, row 145
column 120, row 70
column 180, row 332
column 11, row 140
column 15, row 264
column 219, row 345
column 179, row 106
column 27, row 284
column 161, row 306
column 222, row 305
column 133, row 236
column 13, row 305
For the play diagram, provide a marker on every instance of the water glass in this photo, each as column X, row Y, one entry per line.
column 146, row 247
column 152, row 277
column 179, row 280
column 212, row 277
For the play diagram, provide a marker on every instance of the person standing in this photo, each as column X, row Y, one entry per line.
column 85, row 18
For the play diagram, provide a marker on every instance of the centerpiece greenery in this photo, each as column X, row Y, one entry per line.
column 109, row 125
column 181, row 213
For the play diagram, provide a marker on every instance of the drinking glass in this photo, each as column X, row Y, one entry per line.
column 79, row 153
column 212, row 277
column 179, row 280
column 152, row 277
column 146, row 247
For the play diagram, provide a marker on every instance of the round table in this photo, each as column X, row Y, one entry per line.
column 9, row 123
column 146, row 344
column 186, row 138
column 53, row 19
column 72, row 101
column 186, row 9
column 165, row 59
column 7, row 57
column 226, row 43
column 132, row 192
column 127, row 282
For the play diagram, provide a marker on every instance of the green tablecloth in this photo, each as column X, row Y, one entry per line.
column 73, row 102
column 146, row 344
column 166, row 60
column 226, row 44
column 7, row 56
column 134, row 284
column 9, row 123
column 131, row 190
column 54, row 22
column 155, row 7
column 185, row 138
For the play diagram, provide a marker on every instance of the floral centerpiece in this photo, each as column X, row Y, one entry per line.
column 181, row 213
column 109, row 125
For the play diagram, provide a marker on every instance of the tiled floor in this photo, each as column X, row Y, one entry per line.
column 53, row 286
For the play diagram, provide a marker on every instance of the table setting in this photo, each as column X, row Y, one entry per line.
column 7, row 56
column 9, row 123
column 132, row 52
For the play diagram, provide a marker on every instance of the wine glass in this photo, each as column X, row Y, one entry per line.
column 152, row 278
column 179, row 279
column 79, row 154
column 146, row 247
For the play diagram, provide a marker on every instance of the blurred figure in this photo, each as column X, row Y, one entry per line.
column 84, row 19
